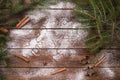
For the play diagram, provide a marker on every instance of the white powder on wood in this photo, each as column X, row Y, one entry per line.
column 38, row 73
column 63, row 5
column 54, row 38
column 80, row 75
column 19, row 33
column 107, row 72
column 51, row 38
column 36, row 15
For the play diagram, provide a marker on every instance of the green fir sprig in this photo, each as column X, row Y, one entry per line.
column 3, row 49
column 103, row 18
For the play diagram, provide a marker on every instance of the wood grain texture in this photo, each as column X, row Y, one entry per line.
column 52, row 37
column 46, row 59
column 45, row 74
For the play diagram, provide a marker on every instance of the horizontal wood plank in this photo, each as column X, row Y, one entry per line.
column 74, row 58
column 54, row 40
column 69, row 74
column 15, row 73
column 49, row 58
column 76, row 74
column 47, row 39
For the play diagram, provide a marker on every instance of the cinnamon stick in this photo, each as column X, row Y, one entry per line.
column 5, row 30
column 24, row 22
column 21, row 21
column 22, row 57
column 58, row 71
column 100, row 61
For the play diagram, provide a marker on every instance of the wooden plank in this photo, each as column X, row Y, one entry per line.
column 47, row 39
column 65, row 61
column 16, row 62
column 61, row 18
column 50, row 58
column 15, row 73
column 15, row 78
column 50, row 51
column 69, row 74
column 59, row 58
column 75, row 74
column 22, row 57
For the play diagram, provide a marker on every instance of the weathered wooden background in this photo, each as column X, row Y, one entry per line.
column 41, row 66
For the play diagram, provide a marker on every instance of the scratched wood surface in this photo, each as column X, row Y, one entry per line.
column 43, row 62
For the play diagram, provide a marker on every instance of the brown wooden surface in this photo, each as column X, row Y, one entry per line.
column 40, row 67
column 70, row 74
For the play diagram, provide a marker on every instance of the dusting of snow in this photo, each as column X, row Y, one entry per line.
column 38, row 73
column 63, row 5
column 49, row 38
column 36, row 15
column 20, row 32
column 52, row 38
column 80, row 75
column 108, row 72
column 12, row 44
column 57, row 57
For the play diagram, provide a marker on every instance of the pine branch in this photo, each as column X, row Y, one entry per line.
column 104, row 17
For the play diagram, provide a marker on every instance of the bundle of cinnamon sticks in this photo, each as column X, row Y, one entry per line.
column 24, row 21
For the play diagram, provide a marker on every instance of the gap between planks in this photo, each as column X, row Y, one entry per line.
column 64, row 48
column 62, row 67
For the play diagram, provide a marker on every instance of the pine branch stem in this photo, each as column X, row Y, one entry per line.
column 92, row 3
column 104, row 12
column 87, row 14
column 113, row 30
column 98, row 27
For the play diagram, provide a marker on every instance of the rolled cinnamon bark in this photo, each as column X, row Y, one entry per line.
column 21, row 21
column 58, row 71
column 4, row 30
column 24, row 22
column 100, row 61
column 22, row 57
